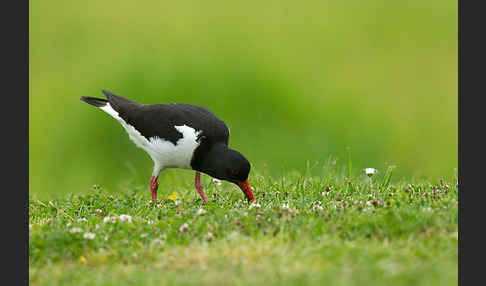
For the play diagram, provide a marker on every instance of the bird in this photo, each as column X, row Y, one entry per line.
column 179, row 135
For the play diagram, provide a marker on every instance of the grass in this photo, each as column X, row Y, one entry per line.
column 305, row 229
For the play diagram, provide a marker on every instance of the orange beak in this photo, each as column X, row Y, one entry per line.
column 245, row 187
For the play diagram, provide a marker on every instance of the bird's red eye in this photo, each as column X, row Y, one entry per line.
column 234, row 172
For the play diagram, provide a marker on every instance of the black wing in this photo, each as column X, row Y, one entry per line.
column 159, row 119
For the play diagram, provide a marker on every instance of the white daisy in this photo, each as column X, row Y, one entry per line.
column 111, row 219
column 157, row 241
column 125, row 218
column 318, row 208
column 370, row 171
column 89, row 235
column 209, row 236
column 254, row 205
column 184, row 227
column 75, row 230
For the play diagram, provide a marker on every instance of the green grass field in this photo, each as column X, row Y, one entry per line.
column 303, row 230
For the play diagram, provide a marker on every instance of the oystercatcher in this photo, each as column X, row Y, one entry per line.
column 179, row 135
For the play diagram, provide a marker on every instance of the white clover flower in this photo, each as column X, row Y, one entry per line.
column 370, row 171
column 285, row 206
column 209, row 236
column 125, row 218
column 82, row 219
column 318, row 208
column 89, row 235
column 369, row 203
column 111, row 219
column 177, row 202
column 157, row 241
column 75, row 230
column 217, row 182
column 98, row 211
column 325, row 194
column 254, row 205
column 201, row 212
column 184, row 227
column 234, row 234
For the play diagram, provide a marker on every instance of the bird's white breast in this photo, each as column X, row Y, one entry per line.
column 178, row 155
column 164, row 153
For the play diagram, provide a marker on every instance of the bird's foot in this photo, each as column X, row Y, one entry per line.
column 200, row 188
column 154, row 185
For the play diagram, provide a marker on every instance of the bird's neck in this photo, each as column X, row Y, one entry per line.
column 209, row 159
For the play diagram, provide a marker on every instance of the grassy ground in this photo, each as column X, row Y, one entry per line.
column 304, row 229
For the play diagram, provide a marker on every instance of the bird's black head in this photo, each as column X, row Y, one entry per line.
column 226, row 164
column 237, row 167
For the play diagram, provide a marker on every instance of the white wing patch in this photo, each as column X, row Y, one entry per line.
column 164, row 153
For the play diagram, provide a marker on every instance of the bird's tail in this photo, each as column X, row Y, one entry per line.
column 98, row 102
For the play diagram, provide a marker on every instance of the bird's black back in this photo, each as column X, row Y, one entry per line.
column 159, row 120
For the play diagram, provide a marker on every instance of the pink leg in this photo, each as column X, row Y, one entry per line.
column 200, row 188
column 154, row 185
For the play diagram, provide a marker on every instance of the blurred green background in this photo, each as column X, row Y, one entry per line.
column 296, row 81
